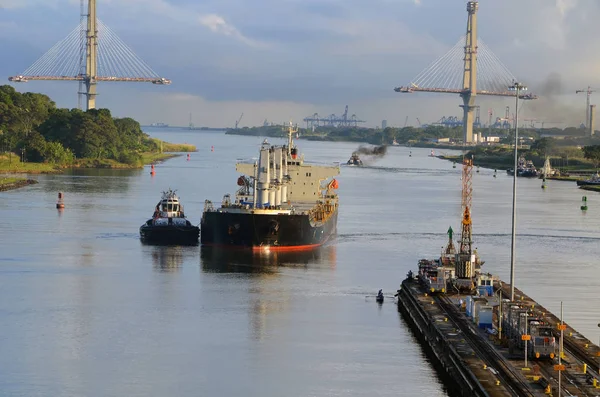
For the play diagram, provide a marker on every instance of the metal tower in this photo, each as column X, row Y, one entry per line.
column 467, row 194
column 470, row 72
column 105, row 55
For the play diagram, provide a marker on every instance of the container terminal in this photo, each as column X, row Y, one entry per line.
column 487, row 338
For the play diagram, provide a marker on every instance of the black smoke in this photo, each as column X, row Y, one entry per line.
column 375, row 151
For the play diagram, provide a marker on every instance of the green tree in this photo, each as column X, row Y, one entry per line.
column 543, row 146
column 592, row 153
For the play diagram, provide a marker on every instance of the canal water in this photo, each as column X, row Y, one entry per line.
column 86, row 309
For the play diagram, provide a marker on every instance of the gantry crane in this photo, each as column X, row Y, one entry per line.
column 467, row 261
column 587, row 106
column 238, row 120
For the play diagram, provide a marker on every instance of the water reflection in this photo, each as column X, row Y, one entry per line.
column 169, row 258
column 90, row 181
column 216, row 260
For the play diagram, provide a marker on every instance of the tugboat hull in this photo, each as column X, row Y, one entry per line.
column 170, row 234
column 276, row 232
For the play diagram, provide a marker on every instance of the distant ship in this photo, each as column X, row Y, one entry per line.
column 283, row 204
column 159, row 125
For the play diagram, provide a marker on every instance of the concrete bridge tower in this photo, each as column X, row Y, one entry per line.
column 470, row 72
column 91, row 64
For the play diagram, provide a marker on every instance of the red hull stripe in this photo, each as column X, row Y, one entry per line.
column 270, row 248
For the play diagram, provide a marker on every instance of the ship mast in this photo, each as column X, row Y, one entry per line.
column 291, row 131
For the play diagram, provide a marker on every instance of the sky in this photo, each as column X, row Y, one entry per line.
column 288, row 59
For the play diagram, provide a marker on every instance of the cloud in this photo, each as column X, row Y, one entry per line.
column 317, row 55
column 217, row 24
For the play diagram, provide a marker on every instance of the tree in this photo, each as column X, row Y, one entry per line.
column 543, row 146
column 592, row 153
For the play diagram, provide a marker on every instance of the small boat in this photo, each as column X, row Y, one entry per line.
column 395, row 143
column 593, row 181
column 355, row 160
column 379, row 297
column 168, row 224
column 432, row 154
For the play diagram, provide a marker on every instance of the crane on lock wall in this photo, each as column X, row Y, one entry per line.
column 238, row 120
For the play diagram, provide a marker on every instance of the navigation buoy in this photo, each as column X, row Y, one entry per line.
column 60, row 204
column 212, row 148
column 188, row 157
column 477, row 169
column 152, row 171
column 584, row 205
column 544, row 183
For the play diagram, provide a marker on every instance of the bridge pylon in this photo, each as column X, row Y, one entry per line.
column 91, row 53
column 468, row 69
column 91, row 64
column 470, row 72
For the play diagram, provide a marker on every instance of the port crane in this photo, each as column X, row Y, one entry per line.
column 238, row 120
column 587, row 107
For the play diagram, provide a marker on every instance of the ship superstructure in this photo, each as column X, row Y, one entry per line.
column 282, row 203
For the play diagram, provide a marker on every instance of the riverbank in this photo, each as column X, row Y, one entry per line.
column 7, row 183
column 11, row 163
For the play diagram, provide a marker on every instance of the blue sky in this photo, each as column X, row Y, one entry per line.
column 282, row 59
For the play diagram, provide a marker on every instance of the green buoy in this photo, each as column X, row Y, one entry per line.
column 584, row 205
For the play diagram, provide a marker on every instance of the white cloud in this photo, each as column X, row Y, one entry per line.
column 217, row 24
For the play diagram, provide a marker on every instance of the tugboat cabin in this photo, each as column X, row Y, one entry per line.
column 169, row 206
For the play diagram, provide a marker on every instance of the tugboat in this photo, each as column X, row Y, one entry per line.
column 283, row 204
column 355, row 160
column 525, row 168
column 168, row 224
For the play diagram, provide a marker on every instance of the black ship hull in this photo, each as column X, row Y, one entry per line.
column 275, row 232
column 169, row 234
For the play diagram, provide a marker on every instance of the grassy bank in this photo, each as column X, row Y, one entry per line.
column 8, row 183
column 11, row 163
column 174, row 147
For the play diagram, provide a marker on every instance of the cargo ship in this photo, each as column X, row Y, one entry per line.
column 282, row 204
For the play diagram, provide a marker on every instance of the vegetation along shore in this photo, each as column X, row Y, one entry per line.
column 37, row 137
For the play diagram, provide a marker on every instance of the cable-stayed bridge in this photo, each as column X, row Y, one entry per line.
column 91, row 53
column 469, row 69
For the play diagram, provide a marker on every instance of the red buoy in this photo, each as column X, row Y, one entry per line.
column 188, row 157
column 152, row 172
column 60, row 203
column 212, row 148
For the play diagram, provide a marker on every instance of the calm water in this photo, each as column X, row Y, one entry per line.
column 86, row 309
